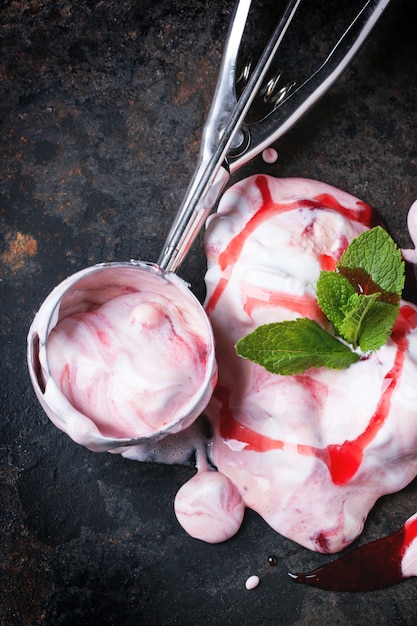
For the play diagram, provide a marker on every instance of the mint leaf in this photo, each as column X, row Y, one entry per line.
column 373, row 266
column 356, row 311
column 377, row 325
column 376, row 254
column 291, row 347
column 333, row 293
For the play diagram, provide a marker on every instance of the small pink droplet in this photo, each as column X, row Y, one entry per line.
column 270, row 155
column 252, row 582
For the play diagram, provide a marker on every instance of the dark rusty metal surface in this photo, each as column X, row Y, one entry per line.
column 101, row 108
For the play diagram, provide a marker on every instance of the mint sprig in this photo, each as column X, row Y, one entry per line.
column 360, row 299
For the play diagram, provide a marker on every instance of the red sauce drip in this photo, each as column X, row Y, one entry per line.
column 216, row 295
column 327, row 262
column 305, row 306
column 375, row 565
column 344, row 460
column 405, row 323
column 232, row 429
column 363, row 284
column 372, row 566
column 362, row 214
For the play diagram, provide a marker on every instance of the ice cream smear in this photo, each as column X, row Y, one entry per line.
column 124, row 353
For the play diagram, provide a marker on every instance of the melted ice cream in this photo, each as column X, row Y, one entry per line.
column 209, row 507
column 310, row 453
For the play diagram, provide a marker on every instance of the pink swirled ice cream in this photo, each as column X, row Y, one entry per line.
column 310, row 453
column 122, row 352
column 124, row 361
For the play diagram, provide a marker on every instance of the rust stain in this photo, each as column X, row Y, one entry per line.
column 20, row 248
column 195, row 80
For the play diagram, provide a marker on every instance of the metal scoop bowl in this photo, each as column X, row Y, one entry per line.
column 86, row 292
column 227, row 144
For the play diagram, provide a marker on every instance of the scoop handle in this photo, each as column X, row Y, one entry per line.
column 212, row 172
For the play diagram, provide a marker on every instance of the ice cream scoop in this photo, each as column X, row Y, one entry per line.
column 83, row 341
column 120, row 353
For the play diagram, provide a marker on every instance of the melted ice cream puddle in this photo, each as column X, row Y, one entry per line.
column 310, row 453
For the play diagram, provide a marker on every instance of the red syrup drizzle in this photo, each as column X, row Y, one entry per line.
column 304, row 305
column 375, row 565
column 362, row 214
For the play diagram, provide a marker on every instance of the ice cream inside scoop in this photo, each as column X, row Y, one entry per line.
column 131, row 365
column 126, row 353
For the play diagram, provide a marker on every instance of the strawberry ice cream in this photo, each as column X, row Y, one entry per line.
column 122, row 353
column 209, row 507
column 310, row 453
column 124, row 361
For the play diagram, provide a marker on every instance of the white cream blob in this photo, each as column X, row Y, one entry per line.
column 252, row 582
column 270, row 155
